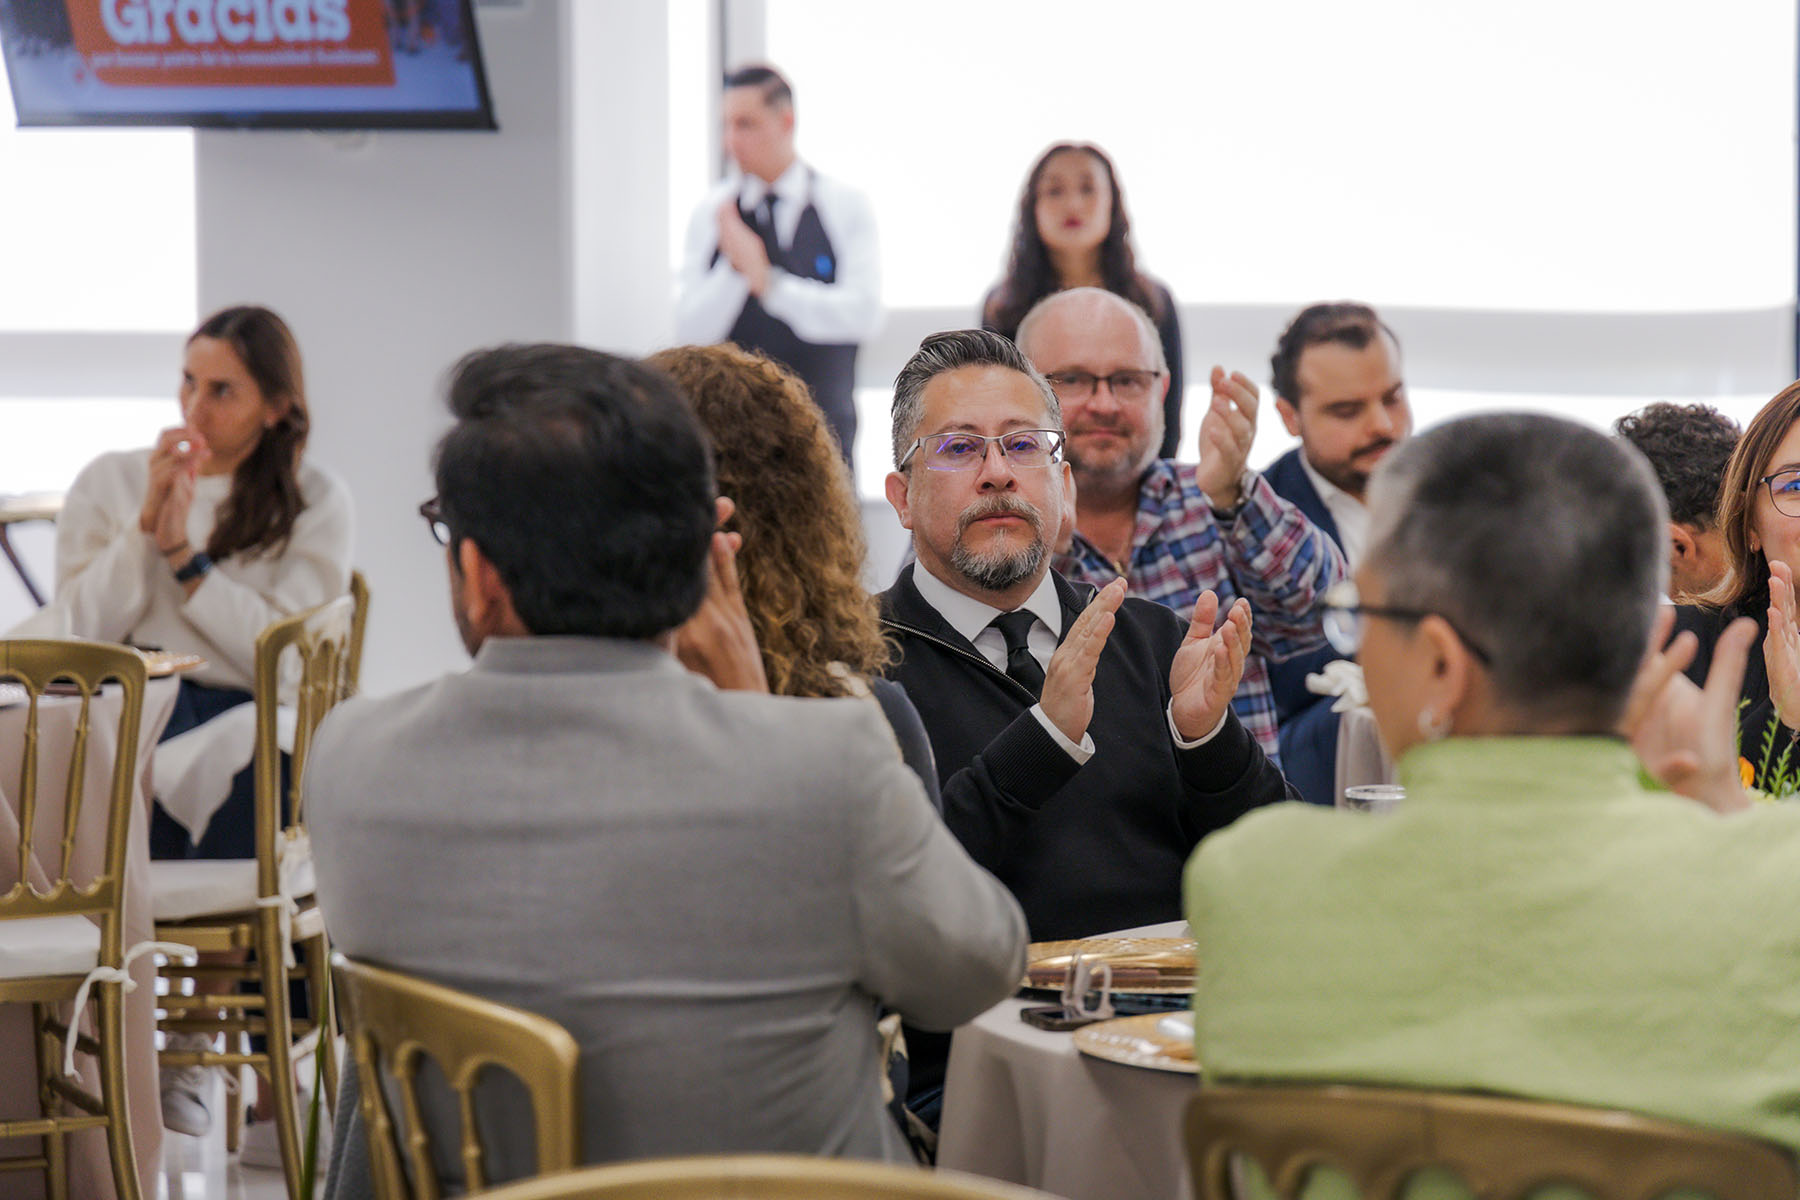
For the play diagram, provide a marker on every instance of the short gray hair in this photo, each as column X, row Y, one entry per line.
column 1042, row 307
column 952, row 351
column 1543, row 541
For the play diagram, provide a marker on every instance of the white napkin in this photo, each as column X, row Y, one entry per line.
column 1343, row 679
column 193, row 770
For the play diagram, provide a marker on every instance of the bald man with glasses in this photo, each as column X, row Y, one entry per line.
column 1175, row 531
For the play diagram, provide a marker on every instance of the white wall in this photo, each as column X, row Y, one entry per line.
column 393, row 254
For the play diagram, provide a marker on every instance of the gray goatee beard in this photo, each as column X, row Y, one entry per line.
column 999, row 570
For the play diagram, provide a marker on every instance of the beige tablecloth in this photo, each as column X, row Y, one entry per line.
column 89, row 1168
column 1025, row 1106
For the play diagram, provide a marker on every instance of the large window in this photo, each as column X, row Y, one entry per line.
column 1612, row 160
column 97, row 250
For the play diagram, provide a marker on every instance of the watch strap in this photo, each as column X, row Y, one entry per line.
column 194, row 568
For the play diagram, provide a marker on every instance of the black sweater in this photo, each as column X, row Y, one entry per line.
column 1085, row 849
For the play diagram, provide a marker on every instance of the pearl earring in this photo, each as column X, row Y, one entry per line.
column 1431, row 726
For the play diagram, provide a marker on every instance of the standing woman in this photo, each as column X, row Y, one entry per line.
column 1072, row 231
column 1759, row 515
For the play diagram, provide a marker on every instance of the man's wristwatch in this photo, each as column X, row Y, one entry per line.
column 196, row 567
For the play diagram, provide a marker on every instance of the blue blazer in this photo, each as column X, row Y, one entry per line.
column 1309, row 729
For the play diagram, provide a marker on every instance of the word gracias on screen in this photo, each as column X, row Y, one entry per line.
column 207, row 22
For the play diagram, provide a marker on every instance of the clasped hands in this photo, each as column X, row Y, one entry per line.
column 1202, row 679
column 743, row 248
column 169, row 495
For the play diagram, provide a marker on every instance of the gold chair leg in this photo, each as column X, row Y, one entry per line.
column 234, row 1094
column 274, row 978
column 110, row 1025
column 56, row 1171
column 324, row 1010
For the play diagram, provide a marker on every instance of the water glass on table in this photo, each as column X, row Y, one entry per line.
column 1373, row 797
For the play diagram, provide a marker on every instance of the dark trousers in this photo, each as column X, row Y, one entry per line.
column 232, row 831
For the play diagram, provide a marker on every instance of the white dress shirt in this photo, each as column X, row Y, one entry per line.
column 710, row 295
column 1351, row 514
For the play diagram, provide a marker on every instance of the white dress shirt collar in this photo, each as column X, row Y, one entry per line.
column 792, row 187
column 1351, row 514
column 969, row 616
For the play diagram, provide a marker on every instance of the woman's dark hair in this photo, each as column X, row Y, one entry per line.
column 1745, row 587
column 1030, row 275
column 258, row 515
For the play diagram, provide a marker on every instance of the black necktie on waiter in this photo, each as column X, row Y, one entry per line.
column 765, row 223
column 1015, row 627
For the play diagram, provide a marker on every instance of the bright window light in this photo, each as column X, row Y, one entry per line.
column 96, row 228
column 1609, row 156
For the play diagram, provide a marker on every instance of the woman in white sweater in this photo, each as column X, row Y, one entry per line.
column 199, row 542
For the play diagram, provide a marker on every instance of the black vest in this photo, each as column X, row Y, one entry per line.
column 829, row 370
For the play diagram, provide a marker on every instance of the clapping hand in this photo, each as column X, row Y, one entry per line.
column 718, row 641
column 1208, row 666
column 1686, row 736
column 742, row 248
column 1781, row 649
column 1068, row 694
column 1226, row 432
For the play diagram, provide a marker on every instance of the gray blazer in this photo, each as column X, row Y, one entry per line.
column 710, row 890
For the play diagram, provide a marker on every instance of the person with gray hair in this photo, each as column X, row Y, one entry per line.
column 1174, row 530
column 1532, row 919
column 1084, row 741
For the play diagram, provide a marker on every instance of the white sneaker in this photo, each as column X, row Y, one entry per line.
column 186, row 1090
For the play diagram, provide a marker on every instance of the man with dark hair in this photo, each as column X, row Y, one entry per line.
column 781, row 259
column 1688, row 446
column 1338, row 388
column 682, row 877
column 1173, row 530
column 1085, row 742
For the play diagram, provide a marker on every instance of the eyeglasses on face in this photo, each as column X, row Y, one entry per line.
column 1784, row 490
column 434, row 520
column 1126, row 385
column 1345, row 619
column 967, row 451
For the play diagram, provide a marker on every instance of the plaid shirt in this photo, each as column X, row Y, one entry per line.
column 1271, row 555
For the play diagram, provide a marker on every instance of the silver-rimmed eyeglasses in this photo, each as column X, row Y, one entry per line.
column 1784, row 490
column 967, row 451
column 1345, row 613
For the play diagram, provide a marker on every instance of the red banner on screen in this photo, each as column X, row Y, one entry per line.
column 190, row 43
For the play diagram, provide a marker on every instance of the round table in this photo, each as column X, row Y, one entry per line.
column 1023, row 1105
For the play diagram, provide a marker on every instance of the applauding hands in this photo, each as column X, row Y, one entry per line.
column 1686, row 736
column 1226, row 432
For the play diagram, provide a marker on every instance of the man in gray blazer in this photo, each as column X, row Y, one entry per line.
column 712, row 891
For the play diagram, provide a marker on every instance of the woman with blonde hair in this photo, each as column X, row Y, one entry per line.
column 789, row 554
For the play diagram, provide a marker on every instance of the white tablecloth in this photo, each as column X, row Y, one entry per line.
column 89, row 1168
column 1023, row 1105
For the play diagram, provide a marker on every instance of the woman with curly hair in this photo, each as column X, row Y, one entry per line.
column 1072, row 231
column 790, row 545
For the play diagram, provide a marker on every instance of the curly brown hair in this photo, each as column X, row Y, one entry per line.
column 801, row 563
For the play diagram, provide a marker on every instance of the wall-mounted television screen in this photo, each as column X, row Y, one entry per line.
column 307, row 64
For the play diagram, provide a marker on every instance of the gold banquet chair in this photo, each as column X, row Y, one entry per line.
column 762, row 1177
column 1499, row 1147
column 261, row 910
column 396, row 1022
column 56, row 930
column 359, row 623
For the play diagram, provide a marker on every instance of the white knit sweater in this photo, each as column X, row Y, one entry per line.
column 115, row 587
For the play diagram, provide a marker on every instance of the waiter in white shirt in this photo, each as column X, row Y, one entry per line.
column 781, row 259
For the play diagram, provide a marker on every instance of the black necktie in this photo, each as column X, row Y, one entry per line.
column 1015, row 627
column 765, row 216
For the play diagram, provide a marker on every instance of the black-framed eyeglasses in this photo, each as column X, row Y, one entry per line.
column 967, row 451
column 434, row 519
column 1784, row 490
column 1126, row 385
column 1344, row 615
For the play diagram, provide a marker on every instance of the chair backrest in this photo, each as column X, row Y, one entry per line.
column 47, row 885
column 359, row 623
column 320, row 637
column 1501, row 1148
column 396, row 1021
column 762, row 1177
